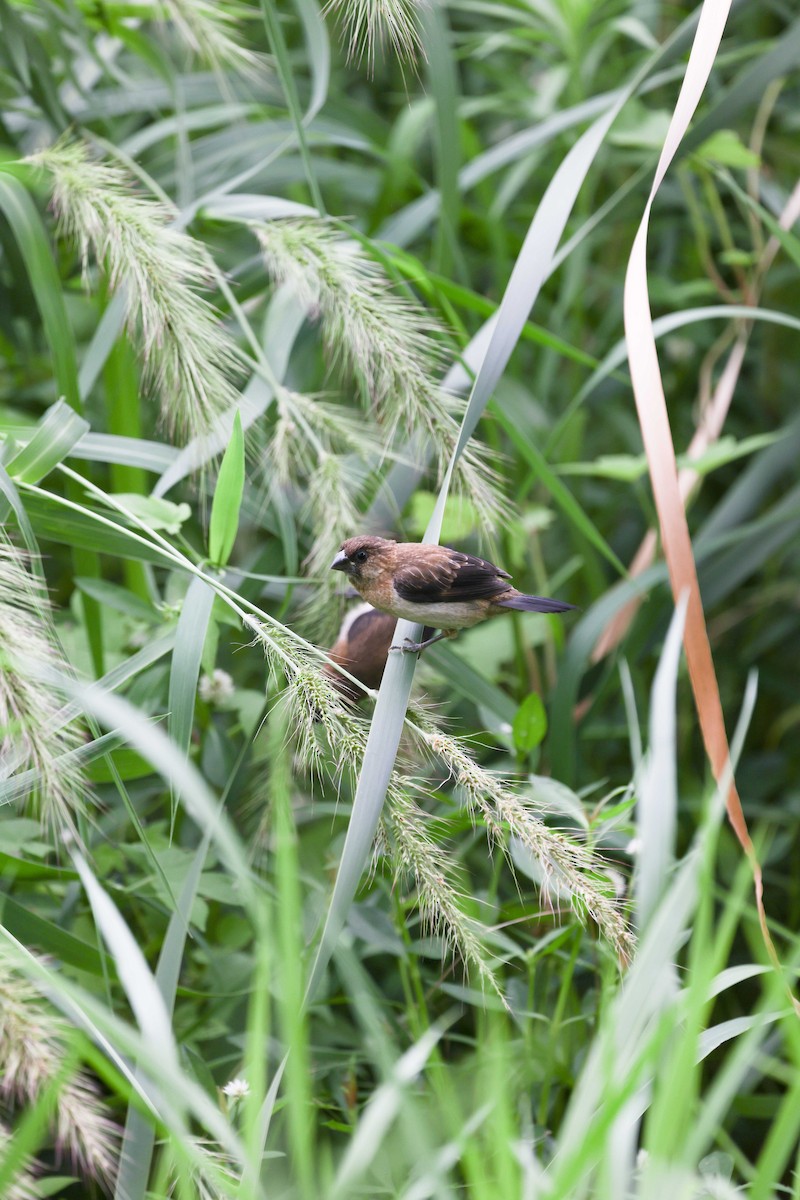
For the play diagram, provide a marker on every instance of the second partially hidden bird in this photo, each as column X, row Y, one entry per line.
column 433, row 585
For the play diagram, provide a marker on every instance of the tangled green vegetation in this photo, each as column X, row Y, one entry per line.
column 274, row 275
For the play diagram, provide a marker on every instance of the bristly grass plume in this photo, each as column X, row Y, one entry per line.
column 32, row 1047
column 211, row 32
column 327, row 454
column 32, row 737
column 368, row 24
column 312, row 706
column 414, row 852
column 308, row 429
column 205, row 1167
column 189, row 358
column 383, row 338
column 568, row 868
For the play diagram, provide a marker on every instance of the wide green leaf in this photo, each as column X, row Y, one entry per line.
column 530, row 724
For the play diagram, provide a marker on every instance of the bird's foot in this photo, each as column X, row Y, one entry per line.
column 410, row 647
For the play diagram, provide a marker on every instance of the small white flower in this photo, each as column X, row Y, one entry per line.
column 237, row 1089
column 216, row 687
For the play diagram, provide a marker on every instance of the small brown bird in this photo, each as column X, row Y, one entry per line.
column 434, row 585
column 361, row 647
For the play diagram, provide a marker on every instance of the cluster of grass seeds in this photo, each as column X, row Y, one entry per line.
column 33, row 737
column 381, row 336
column 207, row 1168
column 368, row 24
column 32, row 1041
column 314, row 705
column 211, row 31
column 332, row 510
column 386, row 341
column 188, row 356
column 326, row 454
column 414, row 853
column 568, row 868
column 308, row 429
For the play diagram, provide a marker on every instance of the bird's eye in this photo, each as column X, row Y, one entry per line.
column 360, row 556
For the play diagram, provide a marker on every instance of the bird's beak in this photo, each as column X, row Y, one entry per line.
column 341, row 562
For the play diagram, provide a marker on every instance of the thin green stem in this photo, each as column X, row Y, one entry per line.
column 279, row 48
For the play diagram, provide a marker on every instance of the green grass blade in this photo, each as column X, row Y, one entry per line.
column 127, row 451
column 55, row 437
column 227, row 498
column 134, row 974
column 405, row 226
column 319, row 55
column 443, row 87
column 373, row 780
column 280, row 50
column 167, row 1092
column 52, row 939
column 12, row 502
column 139, row 1136
column 186, row 658
column 105, row 336
column 662, row 327
column 26, row 224
column 380, row 1113
column 560, row 493
column 153, row 744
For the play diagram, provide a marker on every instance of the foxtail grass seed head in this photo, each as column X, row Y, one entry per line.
column 308, row 429
column 384, row 339
column 415, row 853
column 188, row 357
column 568, row 868
column 32, row 1040
column 332, row 511
column 313, row 704
column 32, row 736
column 368, row 24
column 327, row 453
column 311, row 701
column 211, row 32
column 214, row 1176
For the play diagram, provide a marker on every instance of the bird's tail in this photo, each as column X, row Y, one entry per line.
column 540, row 604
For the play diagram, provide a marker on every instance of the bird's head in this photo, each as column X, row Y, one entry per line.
column 364, row 558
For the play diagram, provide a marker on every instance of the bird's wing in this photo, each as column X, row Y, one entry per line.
column 437, row 575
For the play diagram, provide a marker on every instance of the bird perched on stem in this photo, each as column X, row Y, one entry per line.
column 433, row 585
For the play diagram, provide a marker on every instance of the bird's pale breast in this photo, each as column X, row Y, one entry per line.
column 452, row 614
